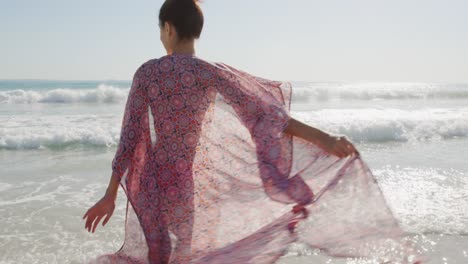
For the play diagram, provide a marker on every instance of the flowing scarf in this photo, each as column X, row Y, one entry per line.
column 211, row 176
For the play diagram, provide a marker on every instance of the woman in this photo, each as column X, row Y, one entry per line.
column 220, row 181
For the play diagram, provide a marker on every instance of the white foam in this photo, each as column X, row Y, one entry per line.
column 302, row 92
column 360, row 125
column 308, row 92
column 35, row 132
column 4, row 186
column 101, row 94
column 381, row 125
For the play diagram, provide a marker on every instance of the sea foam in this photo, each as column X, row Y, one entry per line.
column 309, row 92
column 382, row 125
column 360, row 125
column 101, row 94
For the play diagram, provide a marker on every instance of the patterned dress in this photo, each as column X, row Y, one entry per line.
column 210, row 176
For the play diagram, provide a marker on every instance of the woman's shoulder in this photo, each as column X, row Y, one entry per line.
column 173, row 58
column 167, row 62
column 147, row 64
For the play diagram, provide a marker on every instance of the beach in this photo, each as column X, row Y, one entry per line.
column 58, row 138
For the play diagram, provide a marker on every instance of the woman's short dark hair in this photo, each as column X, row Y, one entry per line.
column 185, row 15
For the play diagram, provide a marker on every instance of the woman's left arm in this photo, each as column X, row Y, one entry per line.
column 336, row 145
column 134, row 138
column 135, row 129
column 113, row 186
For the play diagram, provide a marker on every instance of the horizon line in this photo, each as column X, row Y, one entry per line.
column 316, row 81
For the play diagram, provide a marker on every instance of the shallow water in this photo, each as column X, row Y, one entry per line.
column 56, row 155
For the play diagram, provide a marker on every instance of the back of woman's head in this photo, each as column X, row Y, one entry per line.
column 185, row 15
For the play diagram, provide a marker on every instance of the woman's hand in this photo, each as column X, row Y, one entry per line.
column 104, row 207
column 339, row 146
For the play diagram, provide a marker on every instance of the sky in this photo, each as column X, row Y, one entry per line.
column 294, row 40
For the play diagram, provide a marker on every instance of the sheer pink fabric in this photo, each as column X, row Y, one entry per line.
column 211, row 177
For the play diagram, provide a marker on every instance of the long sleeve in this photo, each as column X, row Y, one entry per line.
column 135, row 133
column 261, row 106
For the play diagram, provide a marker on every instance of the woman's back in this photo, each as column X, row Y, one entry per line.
column 179, row 96
column 176, row 89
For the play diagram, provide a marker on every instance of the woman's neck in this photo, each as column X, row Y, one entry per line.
column 186, row 47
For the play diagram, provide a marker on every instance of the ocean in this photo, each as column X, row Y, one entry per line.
column 58, row 138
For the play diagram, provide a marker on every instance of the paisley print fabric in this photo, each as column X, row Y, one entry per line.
column 211, row 177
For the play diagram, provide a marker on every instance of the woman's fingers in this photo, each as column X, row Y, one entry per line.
column 96, row 213
column 349, row 149
column 339, row 151
column 108, row 216
column 340, row 147
column 353, row 148
column 344, row 148
column 91, row 217
column 96, row 223
column 89, row 221
column 85, row 214
column 342, row 152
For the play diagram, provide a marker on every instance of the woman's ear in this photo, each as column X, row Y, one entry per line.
column 170, row 29
column 165, row 27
